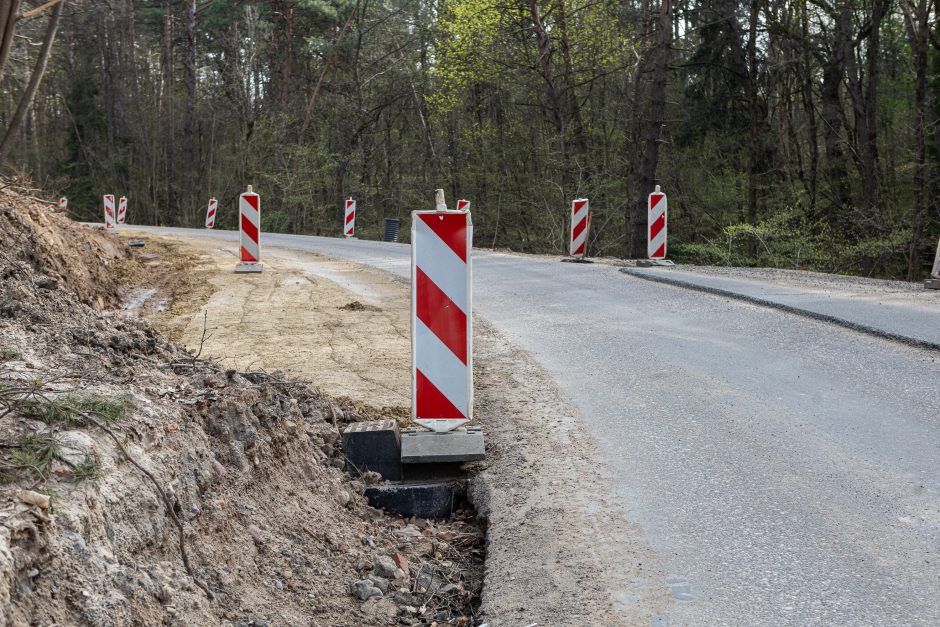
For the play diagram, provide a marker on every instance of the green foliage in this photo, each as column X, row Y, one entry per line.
column 68, row 409
column 88, row 469
column 786, row 239
column 35, row 453
column 412, row 97
column 7, row 354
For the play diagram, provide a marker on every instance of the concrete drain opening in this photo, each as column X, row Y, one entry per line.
column 425, row 482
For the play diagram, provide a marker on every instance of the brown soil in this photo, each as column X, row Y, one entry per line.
column 133, row 438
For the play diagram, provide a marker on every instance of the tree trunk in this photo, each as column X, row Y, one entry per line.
column 8, row 12
column 652, row 130
column 189, row 123
column 544, row 64
column 916, row 20
column 16, row 122
column 166, row 59
column 753, row 111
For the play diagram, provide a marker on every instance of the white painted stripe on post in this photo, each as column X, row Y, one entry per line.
column 441, row 367
column 442, row 265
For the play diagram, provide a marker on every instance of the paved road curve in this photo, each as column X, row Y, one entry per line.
column 787, row 470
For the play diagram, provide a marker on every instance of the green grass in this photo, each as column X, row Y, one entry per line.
column 35, row 453
column 7, row 354
column 88, row 469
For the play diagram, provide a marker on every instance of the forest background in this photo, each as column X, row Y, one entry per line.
column 788, row 133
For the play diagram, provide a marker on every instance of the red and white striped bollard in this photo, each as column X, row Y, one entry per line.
column 441, row 322
column 349, row 218
column 210, row 213
column 249, row 209
column 935, row 272
column 110, row 221
column 657, row 224
column 580, row 216
column 63, row 203
column 122, row 210
column 933, row 282
column 463, row 205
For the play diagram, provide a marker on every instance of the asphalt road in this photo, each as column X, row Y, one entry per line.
column 787, row 470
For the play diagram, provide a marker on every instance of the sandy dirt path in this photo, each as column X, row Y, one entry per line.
column 299, row 316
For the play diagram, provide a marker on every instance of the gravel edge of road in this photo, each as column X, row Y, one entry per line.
column 799, row 311
column 560, row 551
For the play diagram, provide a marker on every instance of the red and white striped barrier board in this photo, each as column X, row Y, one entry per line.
column 656, row 224
column 463, row 205
column 210, row 213
column 441, row 325
column 349, row 220
column 110, row 220
column 63, row 203
column 249, row 208
column 122, row 209
column 579, row 227
column 935, row 273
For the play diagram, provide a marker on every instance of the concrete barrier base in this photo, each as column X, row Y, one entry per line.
column 428, row 447
column 932, row 284
column 653, row 263
column 246, row 266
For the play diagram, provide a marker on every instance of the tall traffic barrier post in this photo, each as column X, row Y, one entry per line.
column 441, row 321
column 122, row 210
column 657, row 226
column 110, row 220
column 441, row 377
column 578, row 234
column 933, row 283
column 63, row 203
column 349, row 218
column 249, row 209
column 463, row 205
column 210, row 213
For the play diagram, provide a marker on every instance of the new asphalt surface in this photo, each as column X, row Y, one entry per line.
column 786, row 469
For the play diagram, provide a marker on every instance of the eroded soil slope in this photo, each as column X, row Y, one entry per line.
column 114, row 440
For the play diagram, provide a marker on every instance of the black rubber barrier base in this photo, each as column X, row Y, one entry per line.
column 436, row 500
column 932, row 284
column 576, row 260
column 375, row 446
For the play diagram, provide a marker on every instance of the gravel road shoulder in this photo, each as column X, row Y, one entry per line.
column 557, row 544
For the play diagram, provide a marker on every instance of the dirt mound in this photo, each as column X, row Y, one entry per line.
column 142, row 486
column 92, row 264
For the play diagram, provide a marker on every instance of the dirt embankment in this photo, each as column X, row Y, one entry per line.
column 143, row 486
